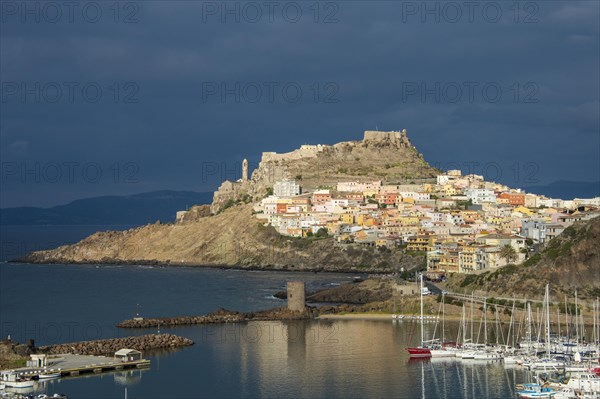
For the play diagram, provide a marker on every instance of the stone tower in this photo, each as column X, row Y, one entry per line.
column 245, row 170
column 295, row 296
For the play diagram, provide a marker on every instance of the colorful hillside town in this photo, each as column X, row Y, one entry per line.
column 462, row 224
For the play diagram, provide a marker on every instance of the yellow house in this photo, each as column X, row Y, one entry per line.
column 449, row 262
column 347, row 218
column 523, row 210
column 408, row 220
column 332, row 226
column 370, row 222
column 360, row 219
column 420, row 243
column 365, row 220
column 470, row 215
column 467, row 260
column 494, row 219
column 449, row 189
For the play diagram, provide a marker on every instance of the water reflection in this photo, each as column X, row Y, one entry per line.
column 49, row 387
column 128, row 377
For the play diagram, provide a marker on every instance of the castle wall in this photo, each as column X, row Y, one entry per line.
column 305, row 151
column 381, row 136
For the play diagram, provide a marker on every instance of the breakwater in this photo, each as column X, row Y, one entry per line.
column 110, row 346
column 221, row 316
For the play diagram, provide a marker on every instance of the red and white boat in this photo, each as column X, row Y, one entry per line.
column 419, row 352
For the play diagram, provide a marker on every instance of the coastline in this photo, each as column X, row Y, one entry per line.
column 159, row 264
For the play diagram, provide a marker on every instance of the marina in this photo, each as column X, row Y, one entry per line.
column 260, row 351
column 559, row 366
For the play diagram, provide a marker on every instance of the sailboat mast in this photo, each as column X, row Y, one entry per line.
column 567, row 320
column 548, row 319
column 558, row 320
column 421, row 295
column 576, row 321
column 443, row 319
column 472, row 304
column 594, row 322
column 510, row 325
column 464, row 322
column 529, row 326
column 597, row 318
column 485, row 339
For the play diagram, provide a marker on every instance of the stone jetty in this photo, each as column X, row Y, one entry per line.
column 110, row 346
column 221, row 316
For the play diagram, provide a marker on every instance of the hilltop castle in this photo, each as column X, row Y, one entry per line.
column 311, row 151
column 275, row 166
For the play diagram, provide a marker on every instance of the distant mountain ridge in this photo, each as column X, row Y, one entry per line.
column 567, row 189
column 134, row 209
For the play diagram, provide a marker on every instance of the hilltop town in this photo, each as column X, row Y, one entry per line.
column 460, row 223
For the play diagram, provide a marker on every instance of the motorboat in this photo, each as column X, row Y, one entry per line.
column 531, row 391
column 584, row 383
column 49, row 375
column 20, row 383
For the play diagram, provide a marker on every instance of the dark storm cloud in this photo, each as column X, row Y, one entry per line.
column 371, row 67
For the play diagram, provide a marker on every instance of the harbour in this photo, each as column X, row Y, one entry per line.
column 341, row 355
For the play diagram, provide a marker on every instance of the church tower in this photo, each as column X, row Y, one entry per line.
column 245, row 170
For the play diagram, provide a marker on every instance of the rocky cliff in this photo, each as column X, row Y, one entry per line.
column 568, row 262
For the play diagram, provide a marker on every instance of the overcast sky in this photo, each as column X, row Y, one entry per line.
column 118, row 98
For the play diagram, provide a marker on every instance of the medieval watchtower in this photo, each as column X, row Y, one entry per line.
column 295, row 296
column 245, row 170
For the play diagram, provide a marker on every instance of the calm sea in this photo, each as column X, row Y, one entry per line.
column 320, row 359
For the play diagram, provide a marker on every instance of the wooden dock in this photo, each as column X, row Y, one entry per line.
column 74, row 365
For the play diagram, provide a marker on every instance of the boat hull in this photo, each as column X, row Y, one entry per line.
column 20, row 384
column 49, row 376
column 419, row 352
column 442, row 353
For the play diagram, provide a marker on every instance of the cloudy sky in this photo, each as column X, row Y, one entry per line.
column 125, row 97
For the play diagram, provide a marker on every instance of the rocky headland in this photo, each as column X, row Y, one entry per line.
column 227, row 233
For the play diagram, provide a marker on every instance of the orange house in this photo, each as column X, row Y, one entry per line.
column 320, row 198
column 515, row 199
column 388, row 199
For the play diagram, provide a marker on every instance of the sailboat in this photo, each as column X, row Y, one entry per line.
column 422, row 350
column 441, row 348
